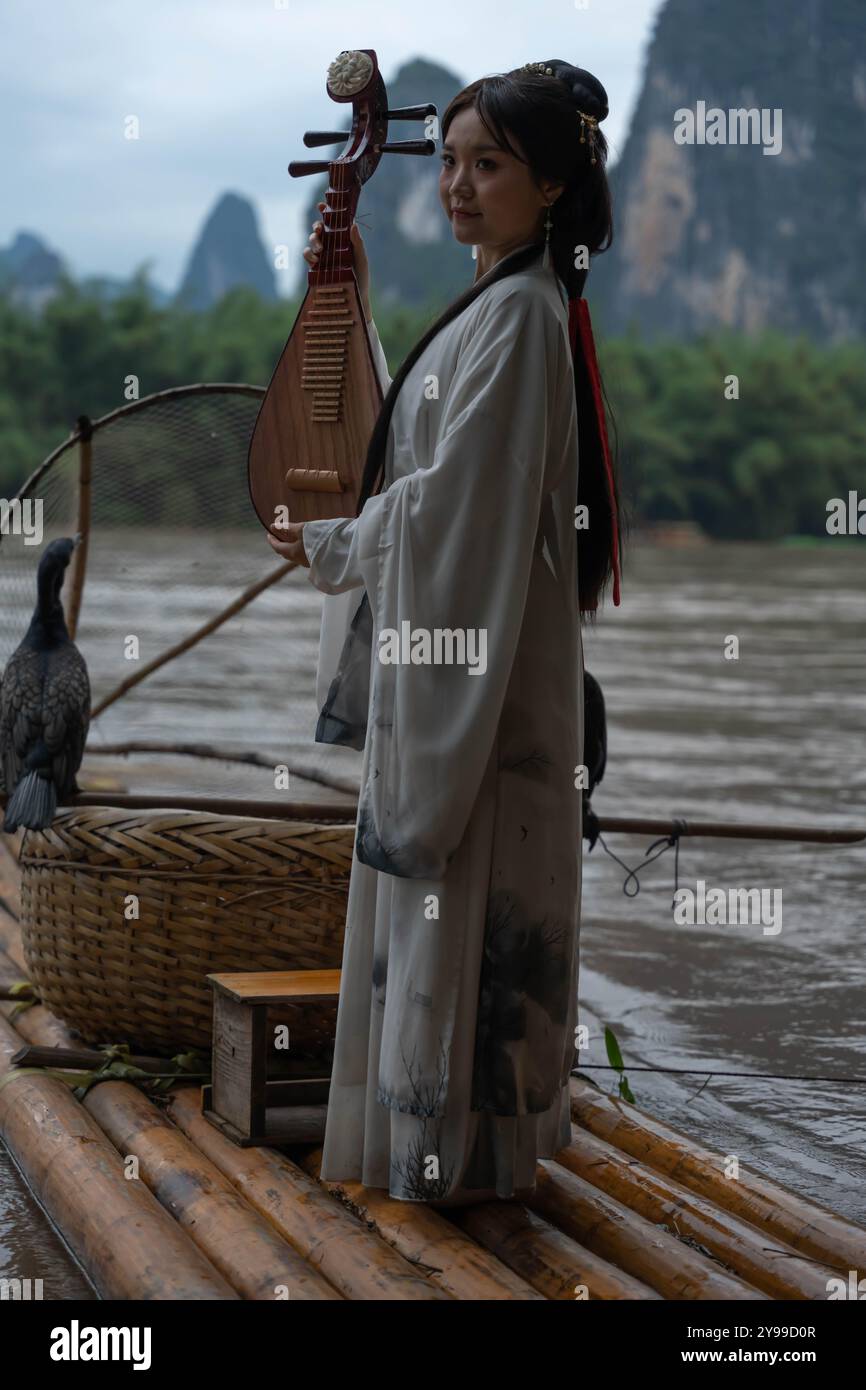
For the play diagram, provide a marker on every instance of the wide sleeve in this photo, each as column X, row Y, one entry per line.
column 445, row 554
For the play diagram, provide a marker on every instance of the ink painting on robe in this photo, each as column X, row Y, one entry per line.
column 458, row 1007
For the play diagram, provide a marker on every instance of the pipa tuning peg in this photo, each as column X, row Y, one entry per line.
column 412, row 113
column 324, row 137
column 408, row 147
column 299, row 167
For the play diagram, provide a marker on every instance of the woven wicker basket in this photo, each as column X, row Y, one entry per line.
column 214, row 894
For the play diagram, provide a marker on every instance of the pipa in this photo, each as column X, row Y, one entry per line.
column 308, row 448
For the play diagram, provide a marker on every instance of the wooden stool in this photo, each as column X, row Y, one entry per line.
column 241, row 1101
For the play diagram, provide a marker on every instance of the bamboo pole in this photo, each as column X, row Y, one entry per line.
column 38, row 1025
column 37, row 1018
column 10, row 979
column 235, row 1240
column 504, row 1237
column 545, row 1257
column 277, row 810
column 730, row 830
column 618, row 1234
column 210, row 626
column 85, row 458
column 424, row 1237
column 78, row 1059
column 809, row 1228
column 245, row 1248
column 15, row 990
column 241, row 1245
column 354, row 1260
column 235, row 806
column 772, row 1266
column 128, row 1245
column 35, row 1024
column 222, row 755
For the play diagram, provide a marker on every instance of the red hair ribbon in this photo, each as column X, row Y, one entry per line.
column 580, row 322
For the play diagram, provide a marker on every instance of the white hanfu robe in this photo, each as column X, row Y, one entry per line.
column 458, row 1007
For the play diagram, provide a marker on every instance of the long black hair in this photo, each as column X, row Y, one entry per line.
column 543, row 112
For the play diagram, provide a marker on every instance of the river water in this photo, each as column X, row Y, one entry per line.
column 776, row 736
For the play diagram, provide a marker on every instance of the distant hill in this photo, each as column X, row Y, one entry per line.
column 229, row 252
column 710, row 235
column 29, row 271
column 31, row 274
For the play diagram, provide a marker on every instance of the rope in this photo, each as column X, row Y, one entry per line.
column 672, row 841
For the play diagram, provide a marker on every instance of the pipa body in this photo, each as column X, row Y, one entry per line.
column 309, row 445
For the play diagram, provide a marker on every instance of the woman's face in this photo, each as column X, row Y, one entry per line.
column 477, row 176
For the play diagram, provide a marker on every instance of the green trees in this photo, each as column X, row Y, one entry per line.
column 758, row 458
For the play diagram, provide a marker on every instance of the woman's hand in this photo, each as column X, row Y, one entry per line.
column 362, row 265
column 292, row 548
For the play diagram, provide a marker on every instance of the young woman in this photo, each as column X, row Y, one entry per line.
column 451, row 653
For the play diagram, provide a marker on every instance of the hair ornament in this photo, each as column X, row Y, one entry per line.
column 544, row 70
column 592, row 122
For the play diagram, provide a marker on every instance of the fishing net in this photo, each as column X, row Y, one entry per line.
column 172, row 543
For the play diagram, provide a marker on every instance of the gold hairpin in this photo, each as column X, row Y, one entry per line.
column 592, row 121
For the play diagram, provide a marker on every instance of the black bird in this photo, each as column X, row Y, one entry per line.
column 44, row 706
column 594, row 751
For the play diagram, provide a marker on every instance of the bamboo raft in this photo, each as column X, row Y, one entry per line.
column 631, row 1209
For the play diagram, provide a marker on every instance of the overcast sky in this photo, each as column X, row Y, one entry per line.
column 223, row 91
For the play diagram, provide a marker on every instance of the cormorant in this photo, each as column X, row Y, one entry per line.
column 44, row 705
column 595, row 750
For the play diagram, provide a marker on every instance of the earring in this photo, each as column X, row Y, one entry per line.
column 547, row 226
